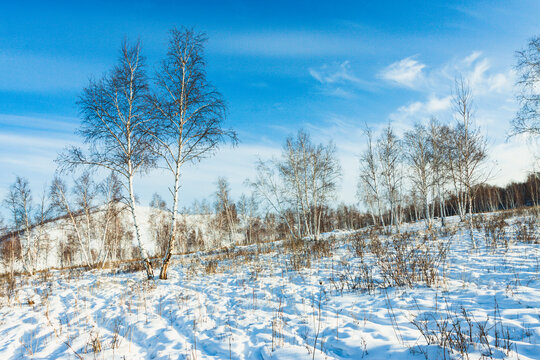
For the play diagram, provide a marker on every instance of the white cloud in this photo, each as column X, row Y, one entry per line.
column 37, row 122
column 478, row 71
column 421, row 111
column 406, row 72
column 436, row 104
column 491, row 89
column 29, row 146
column 494, row 107
column 514, row 159
column 338, row 80
column 475, row 68
column 472, row 58
column 340, row 93
column 13, row 143
column 334, row 74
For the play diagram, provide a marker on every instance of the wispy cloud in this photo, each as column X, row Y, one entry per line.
column 472, row 58
column 491, row 89
column 57, row 124
column 339, row 80
column 25, row 71
column 494, row 107
column 339, row 73
column 291, row 43
column 29, row 145
column 421, row 110
column 406, row 72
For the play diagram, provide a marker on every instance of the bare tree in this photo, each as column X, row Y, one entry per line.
column 60, row 201
column 110, row 191
column 22, row 208
column 467, row 150
column 115, row 126
column 247, row 209
column 527, row 120
column 225, row 206
column 390, row 156
column 269, row 189
column 190, row 113
column 302, row 181
column 438, row 135
column 10, row 250
column 369, row 187
column 3, row 227
column 89, row 222
column 311, row 173
column 159, row 223
column 419, row 154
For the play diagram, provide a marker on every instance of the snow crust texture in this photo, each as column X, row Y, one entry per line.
column 258, row 307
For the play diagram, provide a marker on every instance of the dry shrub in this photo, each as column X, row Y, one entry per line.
column 294, row 245
column 358, row 240
column 130, row 267
column 94, row 343
column 211, row 266
column 351, row 278
column 459, row 332
column 301, row 251
column 405, row 261
column 526, row 230
column 298, row 256
column 298, row 261
column 478, row 221
column 495, row 231
column 321, row 248
column 7, row 286
column 400, row 260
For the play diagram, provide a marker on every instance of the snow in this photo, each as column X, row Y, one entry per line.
column 58, row 232
column 256, row 307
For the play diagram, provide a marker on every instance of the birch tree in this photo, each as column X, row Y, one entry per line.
column 60, row 199
column 467, row 150
column 114, row 125
column 527, row 120
column 247, row 209
column 22, row 208
column 420, row 158
column 189, row 113
column 225, row 206
column 89, row 222
column 301, row 183
column 390, row 156
column 311, row 173
column 270, row 190
column 438, row 135
column 369, row 185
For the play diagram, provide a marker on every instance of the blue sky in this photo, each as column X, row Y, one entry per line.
column 327, row 67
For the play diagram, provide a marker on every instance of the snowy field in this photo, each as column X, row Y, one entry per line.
column 266, row 303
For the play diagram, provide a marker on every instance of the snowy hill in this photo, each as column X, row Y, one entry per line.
column 57, row 246
column 353, row 295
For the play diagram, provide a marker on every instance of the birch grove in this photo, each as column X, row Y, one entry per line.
column 301, row 183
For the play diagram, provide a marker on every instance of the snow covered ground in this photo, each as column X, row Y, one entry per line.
column 254, row 305
column 53, row 237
